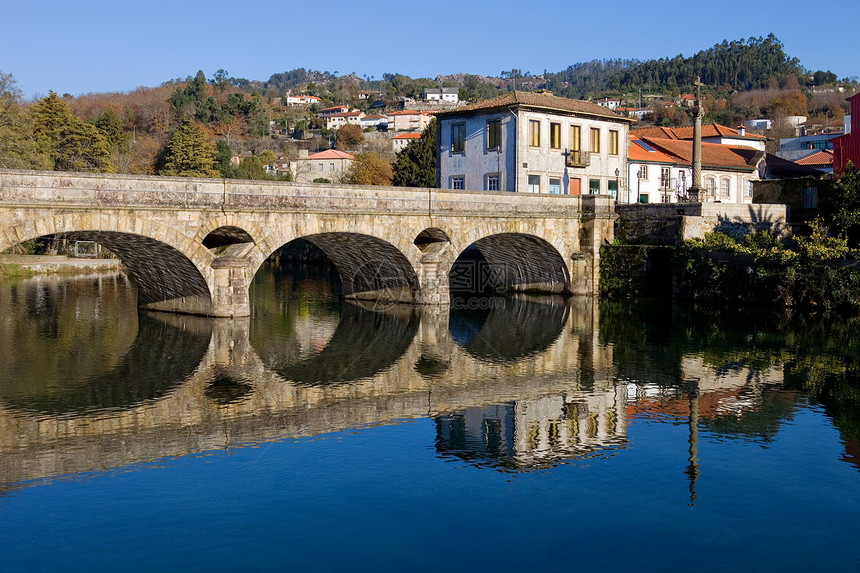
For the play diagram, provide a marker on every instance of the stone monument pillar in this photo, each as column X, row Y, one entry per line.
column 695, row 191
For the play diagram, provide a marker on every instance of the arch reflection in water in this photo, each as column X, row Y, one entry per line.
column 300, row 332
column 508, row 328
column 85, row 349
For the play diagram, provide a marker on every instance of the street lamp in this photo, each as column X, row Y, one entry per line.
column 617, row 187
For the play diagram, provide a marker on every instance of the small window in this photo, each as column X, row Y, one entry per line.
column 665, row 177
column 492, row 182
column 322, row 167
column 810, row 197
column 643, row 172
column 643, row 197
column 458, row 138
column 555, row 136
column 725, row 187
column 331, row 166
column 594, row 186
column 748, row 188
column 494, row 134
column 613, row 143
column 595, row 140
column 534, row 133
column 555, row 185
column 534, row 183
column 458, row 182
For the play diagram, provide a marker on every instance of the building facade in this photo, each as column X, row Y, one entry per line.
column 660, row 171
column 532, row 143
column 331, row 164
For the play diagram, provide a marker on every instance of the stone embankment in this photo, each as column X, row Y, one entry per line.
column 46, row 264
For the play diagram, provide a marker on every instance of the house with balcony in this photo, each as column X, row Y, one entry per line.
column 301, row 100
column 661, row 171
column 336, row 120
column 325, row 113
column 408, row 120
column 532, row 143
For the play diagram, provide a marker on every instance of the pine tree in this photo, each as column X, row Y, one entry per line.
column 190, row 153
column 71, row 144
column 416, row 163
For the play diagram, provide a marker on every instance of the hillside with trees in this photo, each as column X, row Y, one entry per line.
column 223, row 121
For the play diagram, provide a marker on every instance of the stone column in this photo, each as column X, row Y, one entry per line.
column 231, row 277
column 695, row 190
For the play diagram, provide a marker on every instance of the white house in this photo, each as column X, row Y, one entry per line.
column 609, row 102
column 337, row 120
column 301, row 100
column 331, row 164
column 446, row 95
column 660, row 171
column 532, row 143
column 374, row 120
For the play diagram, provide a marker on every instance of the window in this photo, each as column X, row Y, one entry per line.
column 710, row 187
column 748, row 188
column 534, row 183
column 595, row 140
column 555, row 185
column 594, row 186
column 575, row 138
column 494, row 134
column 534, row 133
column 643, row 172
column 613, row 143
column 555, row 136
column 612, row 186
column 458, row 138
column 331, row 166
column 322, row 167
column 458, row 182
column 665, row 177
column 492, row 182
column 810, row 197
column 725, row 187
column 643, row 197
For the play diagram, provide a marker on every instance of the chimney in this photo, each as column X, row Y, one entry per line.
column 741, row 130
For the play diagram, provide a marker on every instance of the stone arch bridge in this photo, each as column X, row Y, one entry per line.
column 194, row 245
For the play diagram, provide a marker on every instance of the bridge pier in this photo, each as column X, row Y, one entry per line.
column 434, row 280
column 230, row 282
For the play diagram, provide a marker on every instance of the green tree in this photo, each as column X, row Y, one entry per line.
column 416, row 163
column 368, row 168
column 224, row 160
column 842, row 209
column 190, row 153
column 18, row 147
column 110, row 126
column 69, row 143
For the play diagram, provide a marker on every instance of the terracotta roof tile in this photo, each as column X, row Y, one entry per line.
column 821, row 158
column 332, row 154
column 713, row 154
column 637, row 153
column 709, row 130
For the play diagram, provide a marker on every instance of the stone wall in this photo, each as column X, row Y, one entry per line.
column 665, row 224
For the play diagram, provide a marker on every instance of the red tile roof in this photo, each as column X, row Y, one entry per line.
column 332, row 154
column 821, row 158
column 639, row 154
column 709, row 130
column 410, row 135
column 713, row 154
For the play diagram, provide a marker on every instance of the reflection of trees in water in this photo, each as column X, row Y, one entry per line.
column 512, row 328
column 161, row 357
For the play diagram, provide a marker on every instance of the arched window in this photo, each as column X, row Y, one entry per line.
column 710, row 186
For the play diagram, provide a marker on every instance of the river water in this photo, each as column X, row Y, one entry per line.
column 512, row 434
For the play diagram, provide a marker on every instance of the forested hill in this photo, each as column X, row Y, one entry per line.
column 738, row 65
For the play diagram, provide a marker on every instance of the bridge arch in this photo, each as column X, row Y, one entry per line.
column 510, row 257
column 170, row 273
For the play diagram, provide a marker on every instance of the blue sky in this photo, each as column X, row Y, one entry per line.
column 97, row 46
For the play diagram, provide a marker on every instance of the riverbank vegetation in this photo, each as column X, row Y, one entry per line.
column 818, row 270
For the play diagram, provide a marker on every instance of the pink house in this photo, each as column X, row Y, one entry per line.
column 408, row 120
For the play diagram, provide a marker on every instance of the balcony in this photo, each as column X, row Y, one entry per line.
column 577, row 158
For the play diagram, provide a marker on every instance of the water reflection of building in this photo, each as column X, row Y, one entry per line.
column 536, row 433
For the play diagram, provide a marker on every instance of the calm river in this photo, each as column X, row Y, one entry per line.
column 523, row 434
